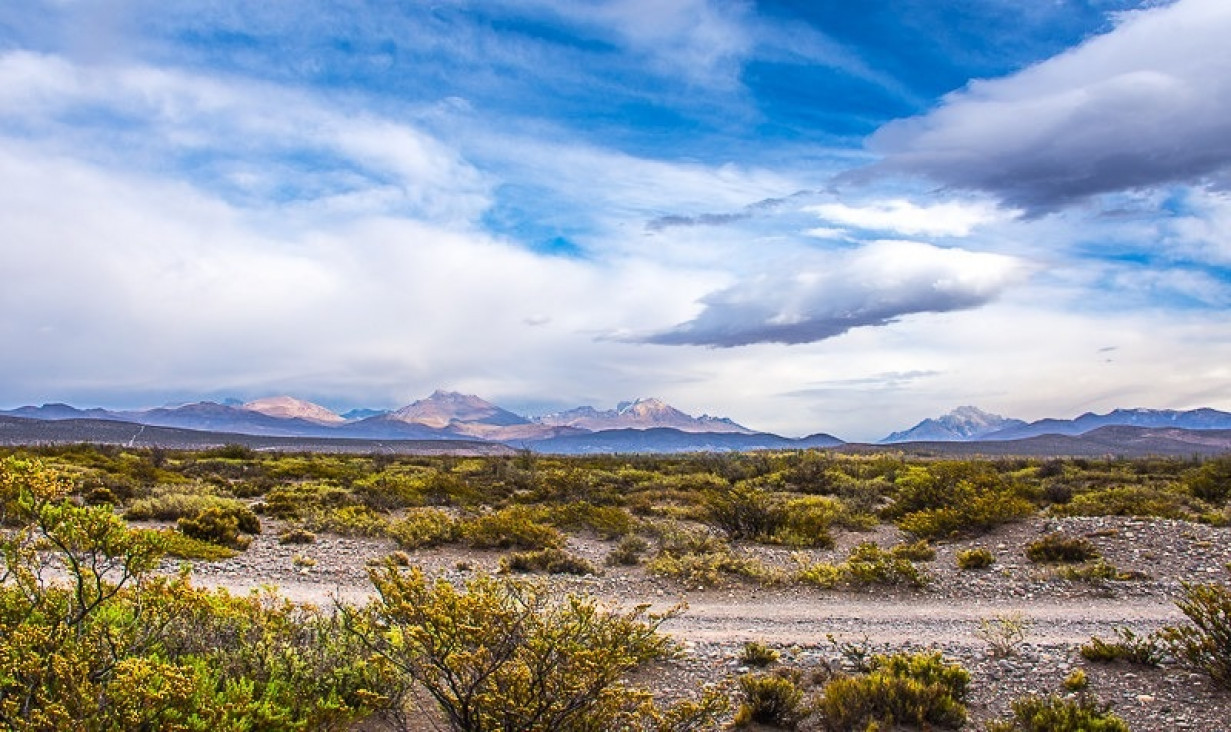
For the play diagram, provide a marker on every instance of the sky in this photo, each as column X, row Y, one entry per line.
column 817, row 216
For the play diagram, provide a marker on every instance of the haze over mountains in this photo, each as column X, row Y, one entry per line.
column 966, row 424
column 651, row 425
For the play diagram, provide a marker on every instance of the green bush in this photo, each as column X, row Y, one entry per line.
column 1057, row 547
column 1057, row 714
column 698, row 558
column 978, row 558
column 1096, row 571
column 919, row 551
column 1211, row 482
column 296, row 536
column 115, row 648
column 346, row 521
column 1144, row 650
column 1128, row 500
column 424, row 527
column 867, row 564
column 628, row 552
column 745, row 511
column 550, row 560
column 808, row 522
column 774, row 699
column 507, row 655
column 181, row 546
column 916, row 689
column 515, row 526
column 172, row 506
column 295, row 500
column 954, row 498
column 758, row 655
column 216, row 526
column 609, row 522
column 1205, row 644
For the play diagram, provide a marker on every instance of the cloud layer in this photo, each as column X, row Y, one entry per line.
column 871, row 286
column 1146, row 104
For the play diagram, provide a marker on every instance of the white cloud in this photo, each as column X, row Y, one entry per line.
column 953, row 218
column 258, row 138
column 703, row 41
column 1148, row 103
column 1203, row 232
column 827, row 295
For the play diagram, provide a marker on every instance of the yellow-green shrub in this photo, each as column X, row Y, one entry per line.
column 773, row 699
column 515, row 526
column 914, row 689
column 424, row 527
column 1054, row 713
column 504, row 654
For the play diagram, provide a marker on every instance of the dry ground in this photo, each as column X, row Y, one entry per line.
column 1061, row 614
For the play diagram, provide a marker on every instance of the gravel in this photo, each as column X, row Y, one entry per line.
column 1060, row 614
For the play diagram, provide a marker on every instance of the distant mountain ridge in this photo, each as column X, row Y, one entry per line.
column 1193, row 419
column 443, row 415
column 640, row 414
column 641, row 425
column 966, row 424
column 291, row 408
column 962, row 424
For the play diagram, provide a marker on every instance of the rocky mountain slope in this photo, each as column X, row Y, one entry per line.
column 288, row 407
column 963, row 423
column 640, row 414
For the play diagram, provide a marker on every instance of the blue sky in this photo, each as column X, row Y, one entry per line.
column 807, row 216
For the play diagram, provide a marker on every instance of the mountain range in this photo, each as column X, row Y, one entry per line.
column 966, row 424
column 642, row 425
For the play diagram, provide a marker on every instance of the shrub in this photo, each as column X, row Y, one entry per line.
column 867, row 564
column 919, row 551
column 1003, row 633
column 1057, row 714
column 917, row 689
column 172, row 506
column 698, row 558
column 952, row 498
column 709, row 569
column 296, row 536
column 770, row 699
column 1128, row 500
column 181, row 546
column 115, row 648
column 1211, row 482
column 424, row 527
column 215, row 526
column 1204, row 645
column 1057, row 547
column 1144, row 650
column 1096, row 571
column 347, row 521
column 978, row 558
column 1076, row 681
column 295, row 500
column 609, row 522
column 550, row 560
column 628, row 552
column 516, row 526
column 507, row 655
column 757, row 654
column 745, row 511
column 808, row 520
